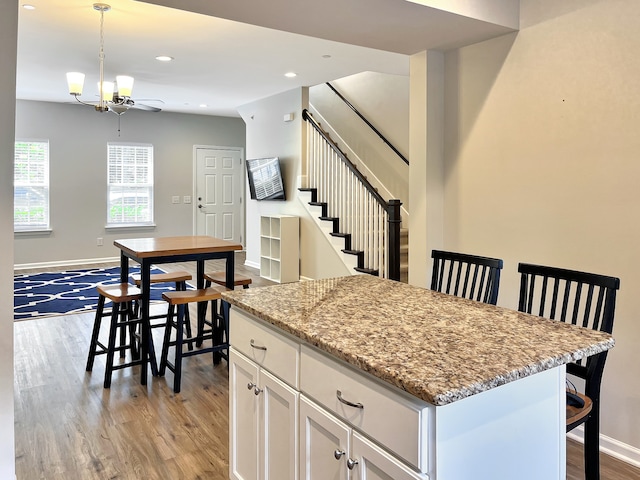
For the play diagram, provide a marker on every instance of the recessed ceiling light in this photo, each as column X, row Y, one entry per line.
column 164, row 58
column 290, row 74
column 27, row 6
column 203, row 105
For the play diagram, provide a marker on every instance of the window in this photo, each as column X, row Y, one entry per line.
column 31, row 186
column 130, row 184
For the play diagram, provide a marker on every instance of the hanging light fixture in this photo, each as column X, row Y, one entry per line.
column 115, row 97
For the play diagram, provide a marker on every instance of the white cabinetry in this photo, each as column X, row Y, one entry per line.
column 280, row 248
column 329, row 448
column 263, row 409
column 271, row 439
column 311, row 407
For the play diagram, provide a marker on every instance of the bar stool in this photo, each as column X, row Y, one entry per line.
column 182, row 299
column 121, row 295
column 220, row 278
column 180, row 280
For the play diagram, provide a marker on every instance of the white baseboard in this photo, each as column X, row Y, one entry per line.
column 64, row 263
column 611, row 446
column 248, row 263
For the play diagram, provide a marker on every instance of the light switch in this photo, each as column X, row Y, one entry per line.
column 186, row 199
column 175, row 199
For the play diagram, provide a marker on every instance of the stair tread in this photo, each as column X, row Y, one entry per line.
column 338, row 234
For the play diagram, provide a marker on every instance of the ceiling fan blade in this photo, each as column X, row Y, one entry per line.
column 148, row 108
column 155, row 100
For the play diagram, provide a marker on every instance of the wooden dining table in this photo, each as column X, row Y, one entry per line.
column 159, row 250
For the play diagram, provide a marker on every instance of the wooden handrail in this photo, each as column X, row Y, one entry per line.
column 368, row 123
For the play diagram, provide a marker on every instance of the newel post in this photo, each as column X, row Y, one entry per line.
column 394, row 219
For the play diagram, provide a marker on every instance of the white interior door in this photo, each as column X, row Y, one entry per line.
column 219, row 193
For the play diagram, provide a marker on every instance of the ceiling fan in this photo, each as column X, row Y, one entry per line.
column 114, row 96
column 121, row 104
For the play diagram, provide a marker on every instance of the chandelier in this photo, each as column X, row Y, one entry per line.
column 115, row 97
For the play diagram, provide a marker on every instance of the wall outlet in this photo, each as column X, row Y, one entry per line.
column 175, row 199
column 99, row 241
column 186, row 199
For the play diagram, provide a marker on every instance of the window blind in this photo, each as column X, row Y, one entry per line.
column 130, row 184
column 31, row 186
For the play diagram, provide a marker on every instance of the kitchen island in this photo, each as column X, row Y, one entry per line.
column 395, row 381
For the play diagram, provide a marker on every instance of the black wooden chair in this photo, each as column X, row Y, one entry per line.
column 587, row 300
column 468, row 276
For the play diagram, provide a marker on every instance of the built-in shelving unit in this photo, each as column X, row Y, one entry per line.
column 280, row 248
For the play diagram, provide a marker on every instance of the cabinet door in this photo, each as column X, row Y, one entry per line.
column 278, row 429
column 324, row 444
column 376, row 464
column 243, row 418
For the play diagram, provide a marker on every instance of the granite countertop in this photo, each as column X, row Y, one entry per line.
column 437, row 347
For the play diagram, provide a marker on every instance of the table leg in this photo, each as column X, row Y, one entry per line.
column 146, row 348
column 200, row 307
column 124, row 268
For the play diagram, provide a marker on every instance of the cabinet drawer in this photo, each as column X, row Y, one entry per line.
column 394, row 419
column 265, row 346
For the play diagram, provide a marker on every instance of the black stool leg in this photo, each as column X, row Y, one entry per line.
column 96, row 332
column 125, row 314
column 177, row 366
column 113, row 327
column 167, row 339
column 133, row 331
column 182, row 286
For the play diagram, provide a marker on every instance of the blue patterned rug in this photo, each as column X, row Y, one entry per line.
column 68, row 292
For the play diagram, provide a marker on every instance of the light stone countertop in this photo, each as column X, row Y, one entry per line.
column 437, row 347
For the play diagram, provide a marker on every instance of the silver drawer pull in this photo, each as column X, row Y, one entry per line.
column 347, row 402
column 351, row 463
column 339, row 454
column 257, row 347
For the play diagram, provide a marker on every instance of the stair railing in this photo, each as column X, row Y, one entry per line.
column 371, row 221
column 368, row 123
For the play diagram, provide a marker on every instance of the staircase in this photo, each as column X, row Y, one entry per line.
column 341, row 242
column 362, row 227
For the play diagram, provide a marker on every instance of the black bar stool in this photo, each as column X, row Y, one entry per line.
column 122, row 296
column 219, row 327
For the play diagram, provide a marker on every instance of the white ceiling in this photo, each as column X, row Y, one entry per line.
column 224, row 63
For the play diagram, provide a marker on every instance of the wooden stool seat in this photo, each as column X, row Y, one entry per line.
column 576, row 414
column 191, row 296
column 220, row 278
column 218, row 324
column 168, row 277
column 122, row 318
column 120, row 293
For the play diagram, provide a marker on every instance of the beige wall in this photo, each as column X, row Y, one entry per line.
column 8, row 48
column 542, row 162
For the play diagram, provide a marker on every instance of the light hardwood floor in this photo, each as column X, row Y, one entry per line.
column 68, row 427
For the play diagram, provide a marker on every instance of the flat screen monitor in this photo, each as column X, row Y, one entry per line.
column 265, row 179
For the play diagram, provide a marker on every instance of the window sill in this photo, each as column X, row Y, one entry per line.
column 141, row 226
column 39, row 232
